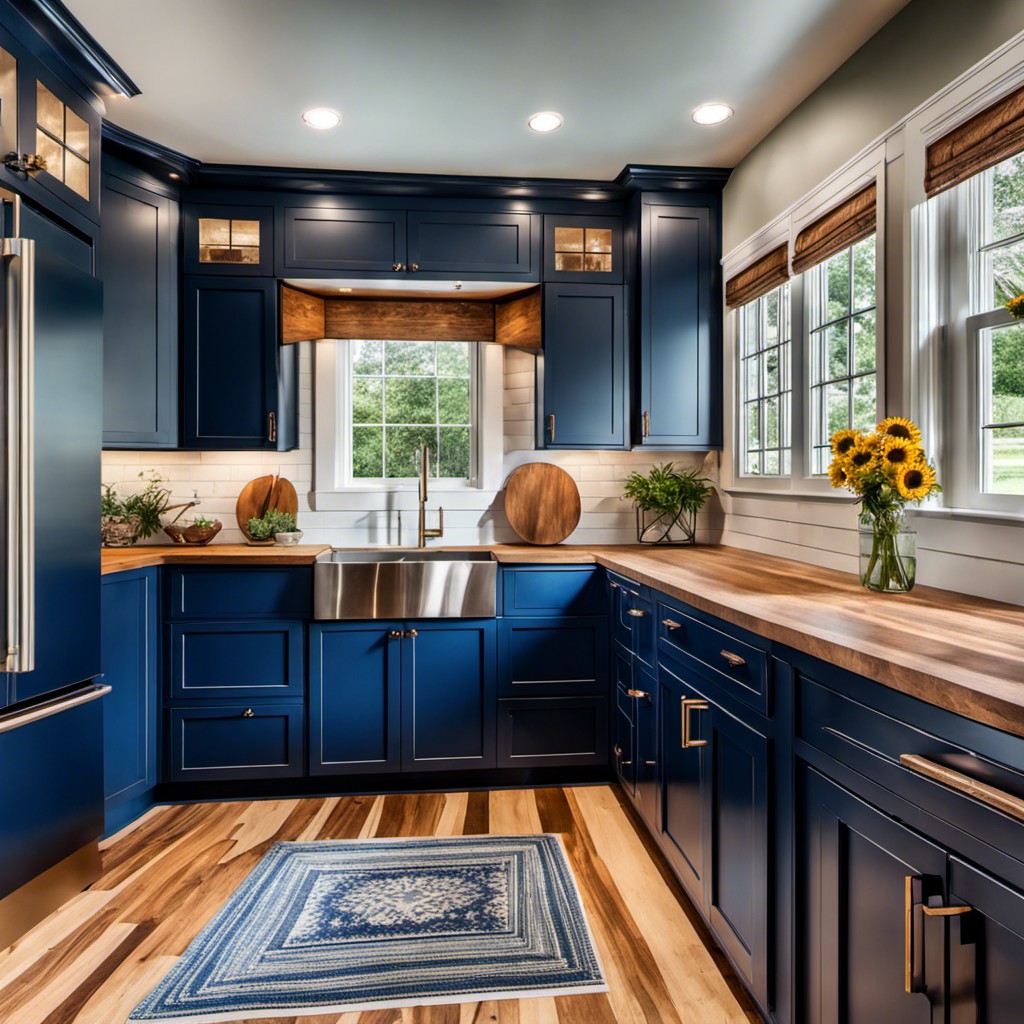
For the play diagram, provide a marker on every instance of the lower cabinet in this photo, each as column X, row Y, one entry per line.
column 535, row 732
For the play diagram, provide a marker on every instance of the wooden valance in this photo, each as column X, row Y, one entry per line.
column 990, row 137
column 759, row 278
column 307, row 317
column 848, row 223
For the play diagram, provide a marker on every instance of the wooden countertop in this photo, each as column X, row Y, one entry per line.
column 958, row 652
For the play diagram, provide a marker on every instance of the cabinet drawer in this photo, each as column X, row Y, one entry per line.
column 727, row 659
column 235, row 659
column 534, row 732
column 568, row 590
column 553, row 657
column 234, row 593
column 633, row 617
column 233, row 741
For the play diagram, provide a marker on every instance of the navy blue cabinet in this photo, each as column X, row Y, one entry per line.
column 239, row 387
column 553, row 657
column 680, row 373
column 470, row 244
column 138, row 266
column 582, row 378
column 552, row 590
column 583, row 250
column 355, row 698
column 232, row 240
column 534, row 732
column 129, row 639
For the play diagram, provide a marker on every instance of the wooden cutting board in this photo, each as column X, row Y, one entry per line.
column 542, row 503
column 265, row 492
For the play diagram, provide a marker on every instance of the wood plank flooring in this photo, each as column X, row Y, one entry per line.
column 165, row 877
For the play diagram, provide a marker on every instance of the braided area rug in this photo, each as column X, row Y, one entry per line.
column 328, row 927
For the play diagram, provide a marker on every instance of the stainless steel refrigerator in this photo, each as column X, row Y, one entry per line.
column 51, row 729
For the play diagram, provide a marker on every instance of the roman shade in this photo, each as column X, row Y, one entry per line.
column 990, row 137
column 841, row 227
column 759, row 278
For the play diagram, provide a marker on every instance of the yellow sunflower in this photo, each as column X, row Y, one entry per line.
column 843, row 441
column 837, row 474
column 899, row 451
column 897, row 426
column 915, row 482
column 863, row 456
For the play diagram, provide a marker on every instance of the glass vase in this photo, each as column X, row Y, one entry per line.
column 888, row 554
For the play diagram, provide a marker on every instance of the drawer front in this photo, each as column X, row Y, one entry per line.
column 534, row 732
column 569, row 590
column 233, row 741
column 552, row 657
column 872, row 743
column 735, row 663
column 633, row 624
column 235, row 660
column 236, row 593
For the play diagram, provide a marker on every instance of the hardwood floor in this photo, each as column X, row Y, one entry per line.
column 94, row 959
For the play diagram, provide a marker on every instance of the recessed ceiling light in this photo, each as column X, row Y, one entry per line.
column 712, row 113
column 322, row 117
column 545, row 121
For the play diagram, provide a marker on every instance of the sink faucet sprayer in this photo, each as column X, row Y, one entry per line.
column 423, row 533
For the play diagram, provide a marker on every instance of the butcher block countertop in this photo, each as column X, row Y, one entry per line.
column 962, row 653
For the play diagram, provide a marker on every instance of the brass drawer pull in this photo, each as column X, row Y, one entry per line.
column 997, row 798
column 613, row 585
column 671, row 624
column 551, row 427
column 272, row 427
column 734, row 659
column 688, row 705
column 637, row 693
column 914, row 900
column 637, row 613
column 248, row 713
column 646, row 427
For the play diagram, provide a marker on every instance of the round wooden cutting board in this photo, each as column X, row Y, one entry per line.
column 265, row 492
column 542, row 503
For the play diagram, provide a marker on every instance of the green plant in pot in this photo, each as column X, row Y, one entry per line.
column 667, row 498
column 266, row 527
column 125, row 519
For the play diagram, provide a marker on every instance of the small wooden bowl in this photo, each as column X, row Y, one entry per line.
column 197, row 535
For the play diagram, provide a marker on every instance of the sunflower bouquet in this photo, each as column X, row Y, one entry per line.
column 886, row 469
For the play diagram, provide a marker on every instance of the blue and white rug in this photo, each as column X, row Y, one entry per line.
column 327, row 927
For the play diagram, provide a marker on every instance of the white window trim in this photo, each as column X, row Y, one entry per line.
column 331, row 489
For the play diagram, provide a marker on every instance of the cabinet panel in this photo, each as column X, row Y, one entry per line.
column 553, row 590
column 554, row 657
column 355, row 699
column 449, row 696
column 473, row 244
column 235, row 660
column 582, row 379
column 342, row 240
column 138, row 266
column 535, row 732
column 237, row 593
column 645, row 718
column 680, row 358
column 234, row 741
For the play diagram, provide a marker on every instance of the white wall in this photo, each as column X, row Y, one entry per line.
column 220, row 476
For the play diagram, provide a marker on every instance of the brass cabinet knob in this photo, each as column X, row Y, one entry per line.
column 637, row 693
column 248, row 713
column 397, row 266
column 637, row 613
column 395, row 634
column 414, row 267
column 412, row 633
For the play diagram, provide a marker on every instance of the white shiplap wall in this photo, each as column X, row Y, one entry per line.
column 470, row 518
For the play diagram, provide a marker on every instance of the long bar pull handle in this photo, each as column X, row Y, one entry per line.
column 733, row 659
column 1008, row 803
column 551, row 427
column 272, row 427
column 38, row 713
column 646, row 424
column 913, row 901
column 18, row 254
column 689, row 705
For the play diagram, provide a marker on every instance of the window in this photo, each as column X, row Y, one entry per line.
column 766, row 375
column 62, row 140
column 842, row 347
column 405, row 394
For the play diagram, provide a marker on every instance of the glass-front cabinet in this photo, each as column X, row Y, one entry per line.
column 229, row 240
column 583, row 250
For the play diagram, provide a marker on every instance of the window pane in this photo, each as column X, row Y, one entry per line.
column 409, row 358
column 1005, row 460
column 214, row 231
column 838, row 401
column 1008, row 198
column 245, row 232
column 367, row 452
column 753, row 426
column 837, row 272
column 49, row 112
column 865, row 402
column 1007, row 273
column 367, row 356
column 76, row 174
column 454, row 449
column 77, row 133
column 52, row 152
column 408, row 400
column 771, row 316
column 367, row 406
column 453, row 359
column 751, row 333
column 453, row 400
column 599, row 239
column 864, row 355
column 837, row 343
column 771, row 372
column 402, row 450
column 864, row 274
column 569, row 239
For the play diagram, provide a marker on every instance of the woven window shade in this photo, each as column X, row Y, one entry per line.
column 988, row 138
column 759, row 278
column 840, row 228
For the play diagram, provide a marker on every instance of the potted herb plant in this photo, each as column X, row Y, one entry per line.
column 665, row 499
column 270, row 526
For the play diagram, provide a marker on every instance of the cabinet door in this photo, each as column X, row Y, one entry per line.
column 473, row 244
column 624, row 739
column 449, row 672
column 645, row 717
column 582, row 250
column 852, row 870
column 128, row 641
column 986, row 948
column 342, row 241
column 554, row 657
column 537, row 732
column 354, row 698
column 230, row 396
column 234, row 240
column 138, row 266
column 582, row 379
column 680, row 352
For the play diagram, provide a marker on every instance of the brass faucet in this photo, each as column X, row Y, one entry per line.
column 423, row 533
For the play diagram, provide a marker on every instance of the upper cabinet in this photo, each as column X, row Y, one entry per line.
column 434, row 244
column 229, row 240
column 583, row 250
column 680, row 362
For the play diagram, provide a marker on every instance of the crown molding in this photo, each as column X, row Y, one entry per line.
column 161, row 161
column 667, row 178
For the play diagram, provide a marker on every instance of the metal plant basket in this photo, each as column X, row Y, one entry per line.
column 677, row 528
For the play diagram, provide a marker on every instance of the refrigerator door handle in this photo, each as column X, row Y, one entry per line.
column 35, row 714
column 18, row 260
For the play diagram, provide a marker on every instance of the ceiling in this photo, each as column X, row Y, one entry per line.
column 446, row 86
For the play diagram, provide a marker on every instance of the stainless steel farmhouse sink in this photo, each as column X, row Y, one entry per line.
column 404, row 584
